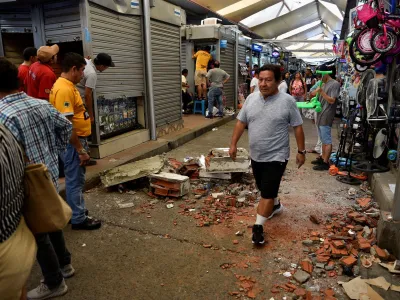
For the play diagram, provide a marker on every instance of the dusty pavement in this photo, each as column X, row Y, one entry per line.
column 151, row 252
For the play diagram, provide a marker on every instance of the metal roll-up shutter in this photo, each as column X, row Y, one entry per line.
column 165, row 47
column 15, row 18
column 62, row 22
column 121, row 37
column 183, row 55
column 241, row 60
column 228, row 65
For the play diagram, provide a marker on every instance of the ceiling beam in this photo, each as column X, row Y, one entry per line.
column 315, row 57
column 249, row 10
column 311, row 50
column 308, row 33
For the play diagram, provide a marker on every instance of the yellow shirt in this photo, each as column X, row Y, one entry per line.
column 66, row 99
column 202, row 59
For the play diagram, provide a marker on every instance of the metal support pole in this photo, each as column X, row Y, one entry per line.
column 236, row 71
column 149, row 69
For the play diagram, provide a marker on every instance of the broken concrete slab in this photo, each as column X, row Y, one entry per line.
column 301, row 276
column 132, row 171
column 169, row 184
column 219, row 161
column 222, row 176
column 379, row 282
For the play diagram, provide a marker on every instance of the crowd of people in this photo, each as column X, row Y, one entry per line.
column 43, row 120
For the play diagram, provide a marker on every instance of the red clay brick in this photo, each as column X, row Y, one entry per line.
column 339, row 244
column 348, row 261
column 329, row 292
column 364, row 246
column 275, row 290
column 323, row 258
column 291, row 286
column 381, row 253
column 354, row 252
column 364, row 202
column 339, row 252
column 299, row 292
column 307, row 266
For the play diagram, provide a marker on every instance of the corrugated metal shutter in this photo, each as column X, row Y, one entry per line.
column 121, row 37
column 165, row 47
column 241, row 60
column 228, row 65
column 62, row 21
column 14, row 18
column 183, row 55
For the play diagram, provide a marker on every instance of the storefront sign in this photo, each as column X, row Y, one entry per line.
column 275, row 54
column 134, row 3
column 223, row 44
column 256, row 48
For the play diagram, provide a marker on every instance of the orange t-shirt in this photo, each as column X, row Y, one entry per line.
column 23, row 71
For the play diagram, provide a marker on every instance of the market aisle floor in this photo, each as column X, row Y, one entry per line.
column 151, row 252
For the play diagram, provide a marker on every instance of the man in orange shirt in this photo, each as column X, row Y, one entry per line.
column 202, row 59
column 41, row 76
column 30, row 57
column 67, row 100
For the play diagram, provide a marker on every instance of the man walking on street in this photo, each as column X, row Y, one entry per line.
column 202, row 58
column 328, row 95
column 66, row 99
column 44, row 133
column 30, row 57
column 41, row 76
column 217, row 78
column 268, row 115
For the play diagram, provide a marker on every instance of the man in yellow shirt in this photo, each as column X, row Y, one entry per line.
column 202, row 59
column 66, row 99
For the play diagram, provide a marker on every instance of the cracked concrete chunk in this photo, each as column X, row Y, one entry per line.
column 132, row 171
column 301, row 276
column 218, row 161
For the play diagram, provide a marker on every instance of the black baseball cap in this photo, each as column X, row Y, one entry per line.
column 105, row 60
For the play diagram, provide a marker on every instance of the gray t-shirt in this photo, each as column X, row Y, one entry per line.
column 89, row 78
column 268, row 121
column 217, row 76
column 326, row 116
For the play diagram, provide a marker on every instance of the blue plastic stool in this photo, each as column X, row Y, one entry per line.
column 202, row 109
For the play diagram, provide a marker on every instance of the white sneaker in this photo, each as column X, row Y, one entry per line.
column 43, row 292
column 67, row 271
column 277, row 210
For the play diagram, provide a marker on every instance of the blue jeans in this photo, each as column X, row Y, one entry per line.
column 75, row 182
column 215, row 92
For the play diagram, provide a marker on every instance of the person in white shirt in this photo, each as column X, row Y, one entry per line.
column 283, row 87
column 254, row 83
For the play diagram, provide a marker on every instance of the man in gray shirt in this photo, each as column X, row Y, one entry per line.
column 328, row 97
column 268, row 115
column 88, row 83
column 217, row 78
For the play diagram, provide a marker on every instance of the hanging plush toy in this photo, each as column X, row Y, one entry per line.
column 334, row 46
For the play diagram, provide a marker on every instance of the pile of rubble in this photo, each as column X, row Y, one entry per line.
column 346, row 243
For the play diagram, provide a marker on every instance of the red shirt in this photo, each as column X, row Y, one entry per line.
column 22, row 73
column 40, row 80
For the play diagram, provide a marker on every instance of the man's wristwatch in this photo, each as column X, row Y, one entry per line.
column 302, row 152
column 82, row 151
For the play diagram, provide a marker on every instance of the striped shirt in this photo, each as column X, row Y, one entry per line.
column 42, row 131
column 11, row 184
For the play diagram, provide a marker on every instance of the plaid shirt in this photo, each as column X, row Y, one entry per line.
column 39, row 127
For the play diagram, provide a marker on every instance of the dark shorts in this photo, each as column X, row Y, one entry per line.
column 268, row 177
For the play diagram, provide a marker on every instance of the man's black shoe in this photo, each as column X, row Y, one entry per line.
column 258, row 235
column 86, row 214
column 318, row 161
column 322, row 167
column 209, row 117
column 88, row 224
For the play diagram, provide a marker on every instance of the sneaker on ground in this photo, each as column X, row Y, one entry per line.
column 276, row 210
column 322, row 167
column 88, row 224
column 209, row 117
column 67, row 271
column 318, row 161
column 43, row 291
column 258, row 235
column 219, row 116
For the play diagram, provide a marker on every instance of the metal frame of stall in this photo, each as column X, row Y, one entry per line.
column 213, row 34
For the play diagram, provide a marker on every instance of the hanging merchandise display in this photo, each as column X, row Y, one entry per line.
column 376, row 35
